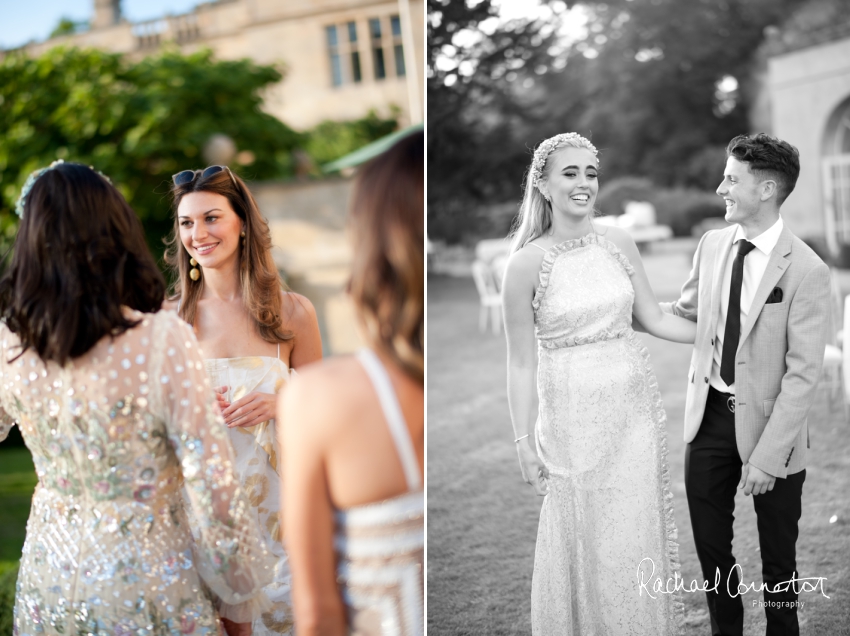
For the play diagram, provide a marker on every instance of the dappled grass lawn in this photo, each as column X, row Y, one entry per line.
column 17, row 482
column 482, row 518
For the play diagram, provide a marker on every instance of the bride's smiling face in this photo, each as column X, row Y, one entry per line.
column 572, row 181
column 209, row 228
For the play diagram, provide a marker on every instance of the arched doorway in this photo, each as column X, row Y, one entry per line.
column 836, row 174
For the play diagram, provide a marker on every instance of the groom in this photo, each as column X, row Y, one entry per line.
column 760, row 298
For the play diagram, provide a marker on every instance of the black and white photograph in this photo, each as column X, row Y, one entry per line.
column 637, row 271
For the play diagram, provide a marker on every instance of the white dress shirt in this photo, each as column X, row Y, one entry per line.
column 755, row 265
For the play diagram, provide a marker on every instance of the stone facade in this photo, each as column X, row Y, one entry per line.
column 341, row 58
column 307, row 222
column 808, row 103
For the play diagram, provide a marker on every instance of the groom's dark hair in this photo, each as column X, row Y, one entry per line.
column 768, row 158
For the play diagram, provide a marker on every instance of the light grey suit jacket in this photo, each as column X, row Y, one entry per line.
column 780, row 352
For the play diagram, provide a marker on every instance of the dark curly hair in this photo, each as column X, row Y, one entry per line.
column 79, row 256
column 768, row 158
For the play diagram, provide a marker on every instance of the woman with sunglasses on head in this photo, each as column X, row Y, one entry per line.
column 354, row 516
column 252, row 334
column 112, row 401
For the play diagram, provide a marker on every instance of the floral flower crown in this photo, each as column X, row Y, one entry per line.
column 545, row 149
column 33, row 177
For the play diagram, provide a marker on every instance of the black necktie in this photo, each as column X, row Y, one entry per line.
column 733, row 315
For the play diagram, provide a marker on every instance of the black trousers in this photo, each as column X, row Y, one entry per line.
column 712, row 473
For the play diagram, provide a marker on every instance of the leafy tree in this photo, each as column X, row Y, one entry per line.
column 331, row 140
column 136, row 122
column 484, row 104
column 660, row 85
column 67, row 26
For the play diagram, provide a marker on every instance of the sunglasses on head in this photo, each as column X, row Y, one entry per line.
column 188, row 176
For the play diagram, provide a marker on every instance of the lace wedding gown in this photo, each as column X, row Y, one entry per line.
column 257, row 467
column 126, row 441
column 601, row 433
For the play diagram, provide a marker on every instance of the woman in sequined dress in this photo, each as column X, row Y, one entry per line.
column 252, row 334
column 354, row 516
column 589, row 425
column 113, row 402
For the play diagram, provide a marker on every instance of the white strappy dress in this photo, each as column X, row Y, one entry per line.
column 256, row 464
column 381, row 546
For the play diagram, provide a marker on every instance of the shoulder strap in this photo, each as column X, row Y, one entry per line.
column 392, row 412
column 179, row 300
column 542, row 249
column 278, row 351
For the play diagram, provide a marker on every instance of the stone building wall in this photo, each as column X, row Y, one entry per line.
column 307, row 222
column 293, row 34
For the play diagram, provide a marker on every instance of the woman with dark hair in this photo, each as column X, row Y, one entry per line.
column 354, row 517
column 253, row 334
column 113, row 402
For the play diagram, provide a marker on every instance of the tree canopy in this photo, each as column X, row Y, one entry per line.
column 140, row 121
column 660, row 86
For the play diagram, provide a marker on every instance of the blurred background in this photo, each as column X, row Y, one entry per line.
column 292, row 95
column 660, row 86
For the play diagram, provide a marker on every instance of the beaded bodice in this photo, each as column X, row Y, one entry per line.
column 585, row 293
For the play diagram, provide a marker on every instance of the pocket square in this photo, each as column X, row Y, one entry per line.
column 775, row 296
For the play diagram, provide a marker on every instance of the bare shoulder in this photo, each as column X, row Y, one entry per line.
column 341, row 377
column 524, row 264
column 298, row 311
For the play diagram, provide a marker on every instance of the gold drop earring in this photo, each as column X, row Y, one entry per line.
column 194, row 273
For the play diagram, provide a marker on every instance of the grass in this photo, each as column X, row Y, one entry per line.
column 17, row 482
column 482, row 518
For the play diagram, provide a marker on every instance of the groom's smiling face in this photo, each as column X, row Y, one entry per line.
column 740, row 190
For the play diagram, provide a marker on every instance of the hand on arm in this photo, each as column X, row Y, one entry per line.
column 517, row 293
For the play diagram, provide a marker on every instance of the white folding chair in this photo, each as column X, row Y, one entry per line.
column 488, row 293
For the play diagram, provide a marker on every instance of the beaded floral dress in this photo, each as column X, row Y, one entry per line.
column 608, row 517
column 128, row 443
column 256, row 465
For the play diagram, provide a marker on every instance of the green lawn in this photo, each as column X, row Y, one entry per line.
column 17, row 481
column 482, row 518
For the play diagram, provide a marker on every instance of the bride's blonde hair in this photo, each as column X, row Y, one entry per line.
column 535, row 212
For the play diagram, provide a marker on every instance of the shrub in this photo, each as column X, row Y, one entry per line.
column 682, row 209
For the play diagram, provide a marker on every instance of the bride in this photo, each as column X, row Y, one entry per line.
column 587, row 415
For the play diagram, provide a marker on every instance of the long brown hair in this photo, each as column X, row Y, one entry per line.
column 260, row 281
column 80, row 254
column 387, row 274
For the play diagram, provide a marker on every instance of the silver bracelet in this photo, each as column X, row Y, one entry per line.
column 519, row 439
